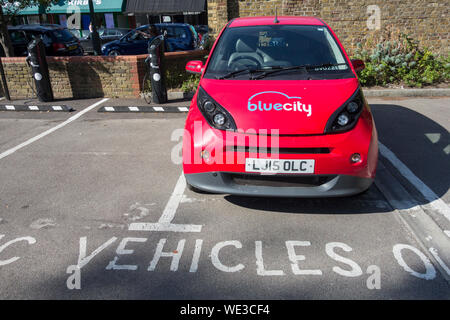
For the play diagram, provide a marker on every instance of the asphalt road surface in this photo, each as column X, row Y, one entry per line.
column 92, row 206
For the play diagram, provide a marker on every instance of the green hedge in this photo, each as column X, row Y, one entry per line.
column 401, row 61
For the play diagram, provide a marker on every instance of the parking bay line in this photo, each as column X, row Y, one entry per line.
column 421, row 226
column 165, row 221
column 45, row 133
column 435, row 202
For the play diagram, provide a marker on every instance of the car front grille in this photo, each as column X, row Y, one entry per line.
column 280, row 180
column 278, row 150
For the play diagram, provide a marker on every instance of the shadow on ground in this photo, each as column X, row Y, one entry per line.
column 419, row 142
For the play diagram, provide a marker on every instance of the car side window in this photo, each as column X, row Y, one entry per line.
column 43, row 36
column 46, row 39
column 133, row 36
column 180, row 32
column 170, row 32
column 18, row 37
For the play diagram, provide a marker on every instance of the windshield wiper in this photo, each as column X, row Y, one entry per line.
column 299, row 67
column 251, row 71
column 233, row 73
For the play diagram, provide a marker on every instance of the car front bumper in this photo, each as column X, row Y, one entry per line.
column 311, row 186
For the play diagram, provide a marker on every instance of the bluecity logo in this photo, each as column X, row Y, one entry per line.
column 277, row 101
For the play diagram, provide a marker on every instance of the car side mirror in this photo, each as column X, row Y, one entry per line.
column 194, row 66
column 358, row 65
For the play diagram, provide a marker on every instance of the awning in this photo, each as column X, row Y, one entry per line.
column 165, row 6
column 72, row 6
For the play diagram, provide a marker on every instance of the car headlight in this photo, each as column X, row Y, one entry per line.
column 347, row 115
column 216, row 115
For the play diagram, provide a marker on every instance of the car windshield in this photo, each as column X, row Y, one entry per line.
column 294, row 51
column 63, row 35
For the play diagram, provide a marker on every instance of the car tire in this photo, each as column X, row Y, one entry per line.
column 114, row 53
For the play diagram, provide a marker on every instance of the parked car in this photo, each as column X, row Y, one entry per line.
column 19, row 43
column 77, row 33
column 179, row 37
column 58, row 41
column 283, row 114
column 201, row 29
column 106, row 35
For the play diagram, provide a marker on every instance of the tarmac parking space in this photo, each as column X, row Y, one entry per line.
column 98, row 209
column 19, row 126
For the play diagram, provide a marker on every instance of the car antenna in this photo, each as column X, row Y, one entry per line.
column 276, row 16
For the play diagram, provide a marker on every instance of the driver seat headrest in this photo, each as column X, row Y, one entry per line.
column 246, row 45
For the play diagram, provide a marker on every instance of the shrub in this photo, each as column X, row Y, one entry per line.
column 401, row 60
column 191, row 84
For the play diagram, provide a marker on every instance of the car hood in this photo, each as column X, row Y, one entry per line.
column 290, row 106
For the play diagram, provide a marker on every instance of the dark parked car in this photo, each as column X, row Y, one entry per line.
column 58, row 41
column 201, row 29
column 179, row 37
column 19, row 42
column 106, row 35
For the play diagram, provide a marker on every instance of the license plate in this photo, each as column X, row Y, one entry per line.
column 279, row 165
column 72, row 47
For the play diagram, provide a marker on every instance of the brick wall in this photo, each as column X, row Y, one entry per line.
column 427, row 21
column 93, row 77
column 217, row 15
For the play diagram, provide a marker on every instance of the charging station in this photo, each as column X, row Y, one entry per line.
column 36, row 59
column 157, row 70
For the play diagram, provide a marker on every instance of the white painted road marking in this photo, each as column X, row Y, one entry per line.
column 435, row 254
column 183, row 109
column 57, row 108
column 165, row 221
column 435, row 202
column 30, row 240
column 109, row 109
column 158, row 108
column 33, row 107
column 8, row 107
column 133, row 108
column 45, row 133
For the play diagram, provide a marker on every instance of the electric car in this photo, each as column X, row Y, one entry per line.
column 279, row 112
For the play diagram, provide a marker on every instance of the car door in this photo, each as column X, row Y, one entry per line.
column 181, row 38
column 135, row 44
column 86, row 43
column 107, row 36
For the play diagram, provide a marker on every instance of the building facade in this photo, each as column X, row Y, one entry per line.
column 354, row 21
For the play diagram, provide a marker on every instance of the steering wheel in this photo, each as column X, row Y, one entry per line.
column 239, row 61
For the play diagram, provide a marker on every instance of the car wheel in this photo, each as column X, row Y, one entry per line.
column 114, row 53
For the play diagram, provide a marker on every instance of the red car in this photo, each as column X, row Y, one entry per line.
column 279, row 112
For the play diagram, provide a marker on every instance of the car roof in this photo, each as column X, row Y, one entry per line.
column 270, row 20
column 37, row 27
column 165, row 25
column 114, row 29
